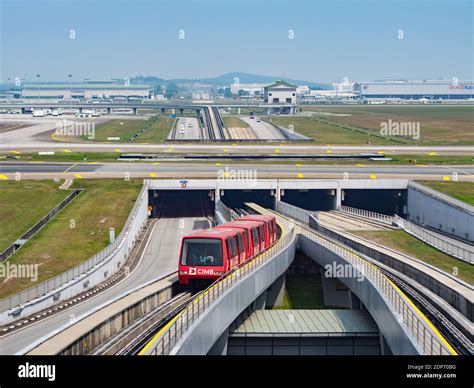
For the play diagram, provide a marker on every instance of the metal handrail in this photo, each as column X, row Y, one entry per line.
column 368, row 214
column 175, row 330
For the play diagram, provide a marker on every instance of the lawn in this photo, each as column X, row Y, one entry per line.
column 78, row 232
column 401, row 241
column 22, row 204
column 123, row 129
column 439, row 125
column 323, row 133
column 233, row 122
column 464, row 191
column 157, row 132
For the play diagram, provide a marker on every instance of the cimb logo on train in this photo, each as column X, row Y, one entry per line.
column 201, row 271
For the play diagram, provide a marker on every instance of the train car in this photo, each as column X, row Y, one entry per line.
column 208, row 254
column 270, row 227
column 253, row 233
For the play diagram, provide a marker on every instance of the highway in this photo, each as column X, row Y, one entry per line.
column 264, row 130
column 36, row 170
column 158, row 259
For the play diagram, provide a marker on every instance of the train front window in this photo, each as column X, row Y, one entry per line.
column 202, row 252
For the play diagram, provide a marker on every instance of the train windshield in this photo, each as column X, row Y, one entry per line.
column 202, row 252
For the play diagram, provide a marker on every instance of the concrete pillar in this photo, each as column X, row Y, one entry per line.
column 338, row 198
column 333, row 296
column 238, row 110
column 134, row 110
column 274, row 295
column 109, row 111
column 220, row 346
column 261, row 302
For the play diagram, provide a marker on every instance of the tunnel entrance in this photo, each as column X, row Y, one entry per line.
column 385, row 201
column 317, row 200
column 181, row 203
column 236, row 199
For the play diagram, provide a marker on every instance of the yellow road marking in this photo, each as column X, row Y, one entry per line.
column 373, row 177
column 78, row 176
column 118, row 150
column 218, row 164
column 360, row 165
column 67, row 169
column 53, row 136
column 328, row 151
column 445, row 178
column 299, row 165
column 432, row 153
column 226, row 150
column 67, row 151
column 277, row 150
column 155, row 163
column 3, row 177
column 300, row 175
column 381, row 152
column 153, row 175
column 15, row 152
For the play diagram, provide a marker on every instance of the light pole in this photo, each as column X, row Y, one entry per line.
column 37, row 89
column 70, row 93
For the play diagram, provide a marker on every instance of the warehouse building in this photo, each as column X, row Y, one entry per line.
column 282, row 95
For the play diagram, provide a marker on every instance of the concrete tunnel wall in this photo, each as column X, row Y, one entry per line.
column 423, row 209
column 385, row 201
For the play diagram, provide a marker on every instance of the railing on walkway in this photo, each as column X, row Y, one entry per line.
column 122, row 245
column 368, row 214
column 181, row 323
column 415, row 325
column 436, row 241
column 295, row 212
column 442, row 197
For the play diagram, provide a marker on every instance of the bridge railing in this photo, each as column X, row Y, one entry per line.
column 182, row 322
column 435, row 241
column 442, row 197
column 121, row 246
column 413, row 322
column 368, row 214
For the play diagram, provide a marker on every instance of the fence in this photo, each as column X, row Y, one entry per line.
column 181, row 323
column 435, row 241
column 368, row 214
column 120, row 249
column 12, row 248
column 414, row 324
column 443, row 197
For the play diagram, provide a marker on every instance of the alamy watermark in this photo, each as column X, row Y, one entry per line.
column 335, row 270
column 14, row 271
column 400, row 128
column 75, row 128
column 238, row 175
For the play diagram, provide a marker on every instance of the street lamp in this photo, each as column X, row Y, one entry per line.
column 37, row 89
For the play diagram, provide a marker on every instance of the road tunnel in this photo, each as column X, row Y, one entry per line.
column 181, row 203
column 321, row 199
column 385, row 201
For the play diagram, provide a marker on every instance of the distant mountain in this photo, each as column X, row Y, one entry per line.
column 226, row 80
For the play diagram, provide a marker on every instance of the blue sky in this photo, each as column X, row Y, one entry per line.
column 332, row 39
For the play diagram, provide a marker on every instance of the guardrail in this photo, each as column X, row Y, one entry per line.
column 181, row 323
column 442, row 197
column 121, row 246
column 414, row 324
column 227, row 213
column 368, row 214
column 435, row 241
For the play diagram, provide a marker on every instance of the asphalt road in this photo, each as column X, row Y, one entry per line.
column 187, row 170
column 263, row 129
column 159, row 258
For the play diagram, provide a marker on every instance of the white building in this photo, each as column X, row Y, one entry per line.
column 85, row 91
column 251, row 89
column 281, row 94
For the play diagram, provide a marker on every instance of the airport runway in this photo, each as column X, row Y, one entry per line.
column 35, row 170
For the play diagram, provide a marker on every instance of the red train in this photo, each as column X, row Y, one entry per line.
column 208, row 254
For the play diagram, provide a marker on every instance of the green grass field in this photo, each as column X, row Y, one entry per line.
column 401, row 241
column 24, row 203
column 464, row 191
column 103, row 204
column 158, row 131
column 233, row 122
column 439, row 125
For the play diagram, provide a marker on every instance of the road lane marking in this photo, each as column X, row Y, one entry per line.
column 328, row 151
column 15, row 152
column 300, row 175
column 78, row 176
column 299, row 165
column 432, row 153
column 218, row 164
column 67, row 151
column 153, row 175
column 118, row 150
column 277, row 150
column 445, row 178
column 373, row 177
column 67, row 169
column 155, row 163
column 360, row 165
column 381, row 152
column 3, row 177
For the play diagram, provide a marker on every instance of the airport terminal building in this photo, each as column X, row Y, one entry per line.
column 415, row 90
column 86, row 91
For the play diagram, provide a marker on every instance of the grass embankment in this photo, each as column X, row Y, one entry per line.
column 23, row 204
column 78, row 232
column 405, row 243
column 464, row 191
column 233, row 122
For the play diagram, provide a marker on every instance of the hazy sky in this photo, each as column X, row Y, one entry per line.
column 332, row 39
